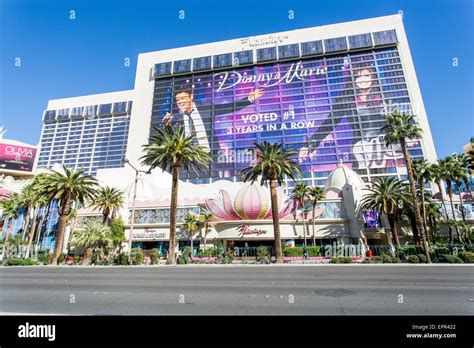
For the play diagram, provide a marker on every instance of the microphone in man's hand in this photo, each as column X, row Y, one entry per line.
column 167, row 119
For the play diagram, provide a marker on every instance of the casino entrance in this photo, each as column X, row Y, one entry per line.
column 249, row 243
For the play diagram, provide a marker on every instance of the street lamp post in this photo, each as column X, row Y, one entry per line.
column 133, row 208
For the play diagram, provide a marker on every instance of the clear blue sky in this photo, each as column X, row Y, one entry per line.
column 65, row 58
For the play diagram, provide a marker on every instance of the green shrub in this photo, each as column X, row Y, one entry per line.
column 450, row 259
column 217, row 251
column 206, row 252
column 341, row 259
column 181, row 260
column 137, row 256
column 41, row 257
column 187, row 253
column 422, row 258
column 122, row 259
column 109, row 260
column 413, row 259
column 466, row 256
column 49, row 259
column 314, row 251
column 263, row 254
column 384, row 258
column 154, row 256
column 293, row 251
column 62, row 258
column 15, row 261
column 17, row 241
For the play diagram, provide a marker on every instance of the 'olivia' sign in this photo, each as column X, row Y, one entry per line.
column 16, row 157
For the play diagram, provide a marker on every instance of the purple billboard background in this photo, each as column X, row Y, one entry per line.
column 328, row 109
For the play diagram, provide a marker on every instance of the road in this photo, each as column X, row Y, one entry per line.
column 239, row 290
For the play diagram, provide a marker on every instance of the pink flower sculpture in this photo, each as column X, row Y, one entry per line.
column 251, row 202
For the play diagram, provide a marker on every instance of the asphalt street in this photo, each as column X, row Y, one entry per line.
column 238, row 290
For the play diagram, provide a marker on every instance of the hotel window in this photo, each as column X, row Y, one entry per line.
column 105, row 109
column 182, row 66
column 90, row 110
column 266, row 54
column 243, row 57
column 288, row 51
column 335, row 45
column 76, row 112
column 311, row 48
column 120, row 108
column 222, row 60
column 162, row 69
column 385, row 37
column 202, row 63
column 360, row 41
column 50, row 115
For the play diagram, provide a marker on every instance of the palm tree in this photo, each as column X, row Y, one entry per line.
column 383, row 196
column 271, row 164
column 463, row 165
column 72, row 186
column 470, row 156
column 205, row 220
column 11, row 210
column 301, row 193
column 170, row 149
column 27, row 198
column 434, row 216
column 316, row 194
column 191, row 224
column 40, row 201
column 421, row 172
column 91, row 235
column 446, row 168
column 108, row 200
column 398, row 129
column 456, row 175
column 44, row 215
column 437, row 174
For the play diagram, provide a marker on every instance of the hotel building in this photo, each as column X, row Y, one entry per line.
column 323, row 91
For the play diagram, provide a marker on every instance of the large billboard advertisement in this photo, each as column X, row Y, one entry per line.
column 17, row 157
column 327, row 108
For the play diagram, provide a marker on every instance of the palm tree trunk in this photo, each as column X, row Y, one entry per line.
column 63, row 221
column 391, row 222
column 450, row 194
column 304, row 225
column 416, row 235
column 173, row 211
column 468, row 187
column 105, row 217
column 40, row 228
column 25, row 223
column 5, row 243
column 276, row 222
column 71, row 232
column 32, row 232
column 425, row 225
column 58, row 245
column 458, row 185
column 411, row 179
column 314, row 224
column 87, row 256
column 205, row 235
column 438, row 183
